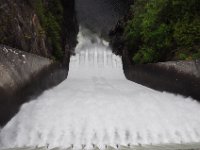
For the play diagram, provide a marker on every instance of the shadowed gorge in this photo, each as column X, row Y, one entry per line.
column 97, row 105
column 80, row 94
column 100, row 15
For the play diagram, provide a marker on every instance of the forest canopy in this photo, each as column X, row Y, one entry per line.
column 161, row 30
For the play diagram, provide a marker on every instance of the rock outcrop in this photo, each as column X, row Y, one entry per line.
column 29, row 25
column 23, row 26
column 20, row 27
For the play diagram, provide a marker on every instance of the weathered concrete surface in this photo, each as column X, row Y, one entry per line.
column 180, row 77
column 186, row 67
column 17, row 67
column 24, row 76
column 20, row 27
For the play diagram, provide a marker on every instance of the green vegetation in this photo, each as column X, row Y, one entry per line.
column 51, row 17
column 160, row 30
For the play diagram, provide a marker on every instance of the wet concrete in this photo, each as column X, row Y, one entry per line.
column 179, row 77
column 24, row 76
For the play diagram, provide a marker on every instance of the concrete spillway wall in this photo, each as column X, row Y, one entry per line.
column 24, row 76
column 180, row 77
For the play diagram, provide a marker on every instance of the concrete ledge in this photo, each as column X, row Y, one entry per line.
column 185, row 67
column 179, row 77
column 24, row 76
column 170, row 146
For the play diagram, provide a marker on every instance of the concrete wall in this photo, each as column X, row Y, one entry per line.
column 17, row 67
column 24, row 76
column 180, row 77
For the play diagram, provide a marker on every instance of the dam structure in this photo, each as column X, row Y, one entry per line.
column 96, row 107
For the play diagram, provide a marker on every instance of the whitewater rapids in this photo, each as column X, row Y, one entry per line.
column 97, row 105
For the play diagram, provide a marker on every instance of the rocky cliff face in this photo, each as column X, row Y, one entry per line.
column 22, row 27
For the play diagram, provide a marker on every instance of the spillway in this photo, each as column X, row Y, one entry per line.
column 96, row 105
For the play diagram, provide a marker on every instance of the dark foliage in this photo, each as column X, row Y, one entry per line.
column 161, row 30
column 51, row 14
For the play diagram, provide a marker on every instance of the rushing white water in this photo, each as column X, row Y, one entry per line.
column 97, row 105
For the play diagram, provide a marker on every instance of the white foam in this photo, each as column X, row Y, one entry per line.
column 97, row 105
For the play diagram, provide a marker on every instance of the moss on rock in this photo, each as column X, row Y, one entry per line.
column 51, row 14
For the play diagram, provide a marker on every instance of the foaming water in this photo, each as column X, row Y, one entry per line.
column 97, row 105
